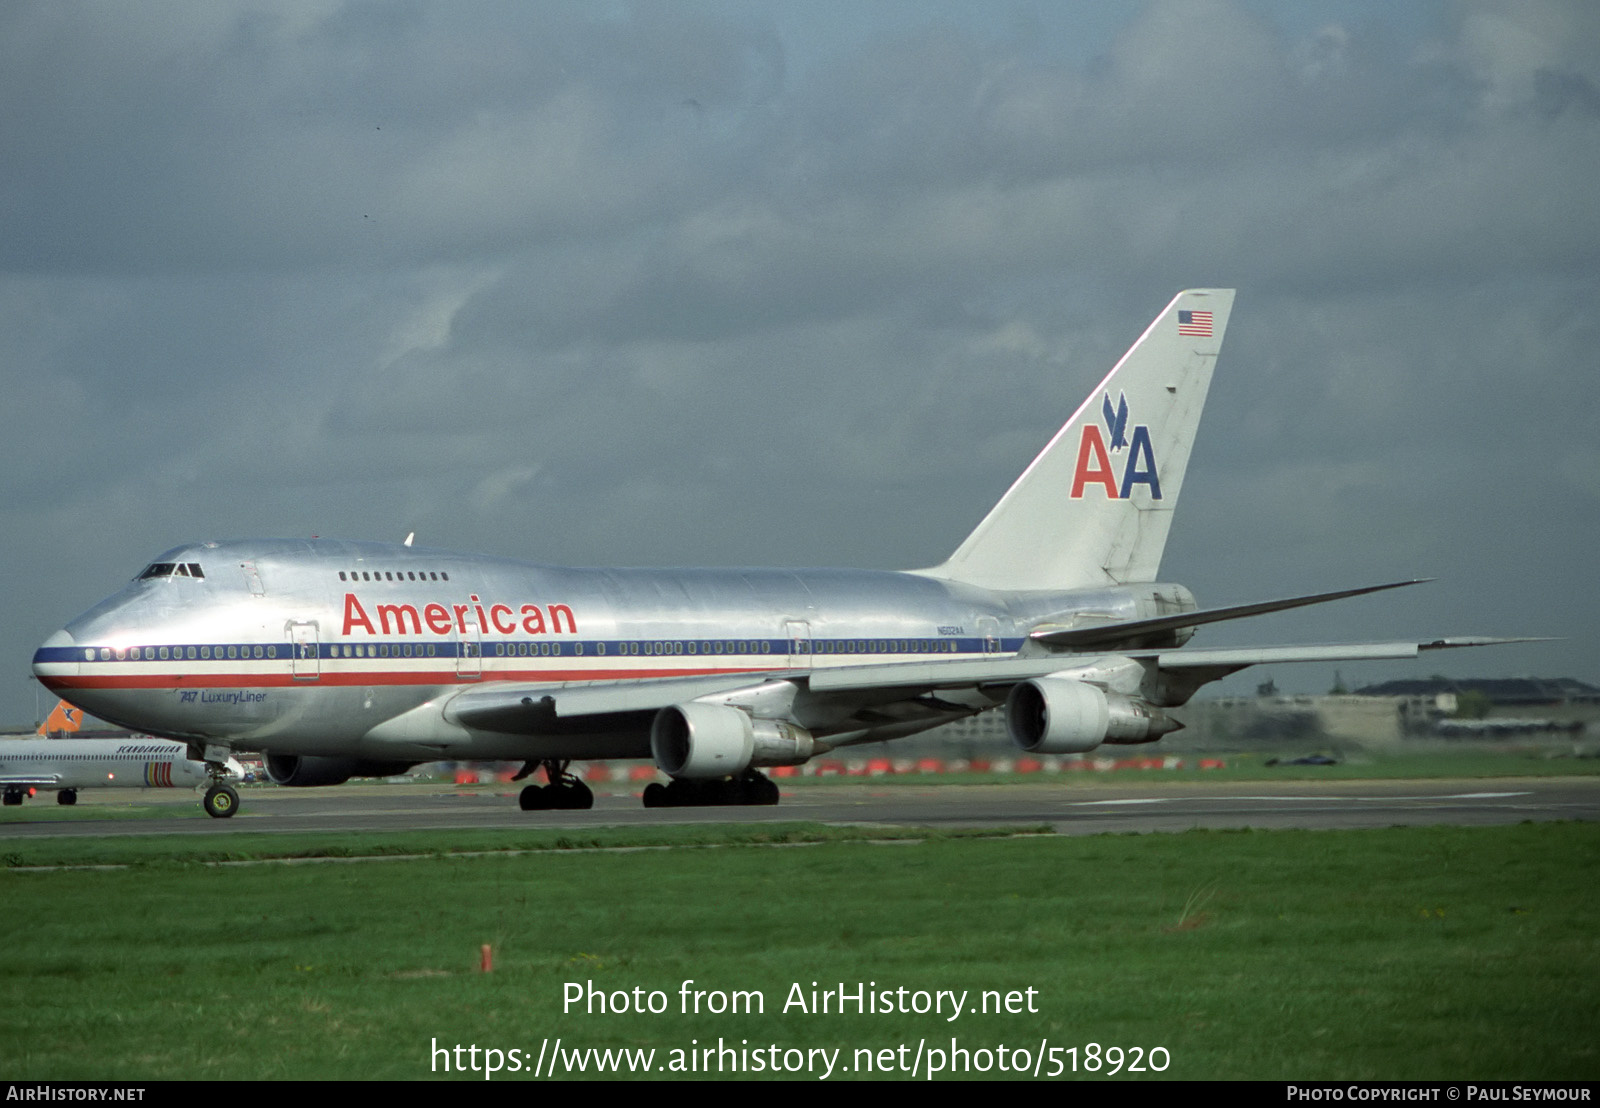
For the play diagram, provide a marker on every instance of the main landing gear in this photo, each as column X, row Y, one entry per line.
column 749, row 788
column 565, row 791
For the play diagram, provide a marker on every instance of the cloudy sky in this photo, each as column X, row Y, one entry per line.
column 805, row 284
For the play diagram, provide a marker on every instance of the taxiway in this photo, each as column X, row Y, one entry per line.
column 1067, row 808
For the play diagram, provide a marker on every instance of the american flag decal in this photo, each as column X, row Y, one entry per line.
column 1194, row 323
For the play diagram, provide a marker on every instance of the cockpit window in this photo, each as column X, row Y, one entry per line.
column 171, row 569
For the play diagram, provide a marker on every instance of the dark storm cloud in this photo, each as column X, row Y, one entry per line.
column 241, row 136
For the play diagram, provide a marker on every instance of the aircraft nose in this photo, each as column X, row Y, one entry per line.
column 57, row 656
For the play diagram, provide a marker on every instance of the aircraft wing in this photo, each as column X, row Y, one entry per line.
column 521, row 708
column 1008, row 671
column 35, row 780
column 1129, row 631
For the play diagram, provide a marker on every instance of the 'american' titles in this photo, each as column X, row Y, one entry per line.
column 408, row 619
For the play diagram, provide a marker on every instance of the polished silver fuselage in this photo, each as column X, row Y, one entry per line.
column 317, row 646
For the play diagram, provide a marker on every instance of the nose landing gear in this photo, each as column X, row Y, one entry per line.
column 221, row 801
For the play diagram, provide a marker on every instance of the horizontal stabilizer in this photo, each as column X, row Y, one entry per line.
column 1241, row 656
column 1109, row 634
column 1196, row 667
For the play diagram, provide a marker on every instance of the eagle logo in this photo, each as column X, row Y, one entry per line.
column 1116, row 420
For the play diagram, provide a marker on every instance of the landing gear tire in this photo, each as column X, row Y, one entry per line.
column 68, row 797
column 221, row 801
column 572, row 794
column 564, row 793
column 757, row 789
column 748, row 789
column 13, row 797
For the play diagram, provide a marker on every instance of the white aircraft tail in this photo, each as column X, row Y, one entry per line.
column 1095, row 506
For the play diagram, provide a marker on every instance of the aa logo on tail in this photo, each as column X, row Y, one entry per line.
column 1138, row 458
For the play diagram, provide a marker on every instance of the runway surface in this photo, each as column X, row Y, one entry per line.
column 1067, row 807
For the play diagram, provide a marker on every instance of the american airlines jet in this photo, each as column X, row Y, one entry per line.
column 341, row 659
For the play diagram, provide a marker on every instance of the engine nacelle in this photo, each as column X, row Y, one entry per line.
column 1057, row 715
column 713, row 740
column 306, row 771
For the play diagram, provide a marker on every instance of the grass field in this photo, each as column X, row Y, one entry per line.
column 1405, row 953
column 1360, row 766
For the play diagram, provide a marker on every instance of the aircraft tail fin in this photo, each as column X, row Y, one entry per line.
column 64, row 719
column 1094, row 508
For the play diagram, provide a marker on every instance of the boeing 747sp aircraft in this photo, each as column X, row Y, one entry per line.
column 341, row 659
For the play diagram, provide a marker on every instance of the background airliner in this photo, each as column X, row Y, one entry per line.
column 28, row 766
column 340, row 659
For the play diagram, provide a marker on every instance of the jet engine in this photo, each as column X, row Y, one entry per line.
column 1057, row 715
column 714, row 740
column 303, row 771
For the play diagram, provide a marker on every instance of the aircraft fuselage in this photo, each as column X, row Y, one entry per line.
column 310, row 646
